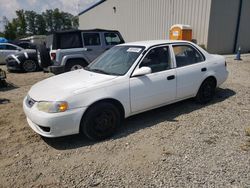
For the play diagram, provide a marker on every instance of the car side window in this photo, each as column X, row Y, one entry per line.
column 186, row 55
column 2, row 47
column 158, row 59
column 112, row 39
column 91, row 39
column 9, row 47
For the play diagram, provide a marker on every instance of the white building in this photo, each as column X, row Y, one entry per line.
column 220, row 25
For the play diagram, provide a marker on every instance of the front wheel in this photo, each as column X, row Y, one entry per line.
column 100, row 121
column 29, row 66
column 206, row 91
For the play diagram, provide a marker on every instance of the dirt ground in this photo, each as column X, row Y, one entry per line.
column 180, row 145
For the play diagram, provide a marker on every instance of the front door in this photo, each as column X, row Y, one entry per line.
column 92, row 45
column 155, row 89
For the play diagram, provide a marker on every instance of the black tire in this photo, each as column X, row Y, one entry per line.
column 72, row 65
column 43, row 56
column 206, row 91
column 30, row 66
column 100, row 121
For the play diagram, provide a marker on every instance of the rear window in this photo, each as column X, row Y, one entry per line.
column 64, row 40
column 112, row 39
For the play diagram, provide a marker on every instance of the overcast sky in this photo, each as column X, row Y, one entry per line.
column 8, row 7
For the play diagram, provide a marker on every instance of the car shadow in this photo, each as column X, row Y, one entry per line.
column 4, row 101
column 141, row 121
column 7, row 86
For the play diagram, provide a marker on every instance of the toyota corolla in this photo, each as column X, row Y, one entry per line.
column 126, row 80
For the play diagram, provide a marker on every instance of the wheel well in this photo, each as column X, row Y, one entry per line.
column 211, row 78
column 208, row 78
column 78, row 60
column 115, row 102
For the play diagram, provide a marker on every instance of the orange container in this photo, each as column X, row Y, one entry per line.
column 180, row 32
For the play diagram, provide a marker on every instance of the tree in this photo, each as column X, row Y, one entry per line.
column 21, row 23
column 30, row 17
column 10, row 28
column 31, row 23
column 48, row 17
column 75, row 22
column 40, row 25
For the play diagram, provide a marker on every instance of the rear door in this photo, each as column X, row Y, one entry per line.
column 93, row 46
column 190, row 68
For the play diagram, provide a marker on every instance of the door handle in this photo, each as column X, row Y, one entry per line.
column 204, row 69
column 171, row 77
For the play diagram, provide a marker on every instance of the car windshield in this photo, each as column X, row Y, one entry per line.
column 116, row 61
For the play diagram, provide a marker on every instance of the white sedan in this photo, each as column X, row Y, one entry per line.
column 127, row 79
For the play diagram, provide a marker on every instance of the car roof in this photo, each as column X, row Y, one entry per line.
column 6, row 43
column 150, row 43
column 88, row 30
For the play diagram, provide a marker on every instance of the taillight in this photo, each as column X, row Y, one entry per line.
column 53, row 56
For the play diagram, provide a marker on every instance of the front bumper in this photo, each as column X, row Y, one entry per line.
column 13, row 64
column 53, row 124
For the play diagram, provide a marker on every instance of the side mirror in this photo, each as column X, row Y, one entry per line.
column 142, row 71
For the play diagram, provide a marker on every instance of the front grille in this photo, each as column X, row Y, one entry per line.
column 30, row 102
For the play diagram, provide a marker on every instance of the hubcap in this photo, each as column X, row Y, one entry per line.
column 104, row 121
column 29, row 66
column 76, row 67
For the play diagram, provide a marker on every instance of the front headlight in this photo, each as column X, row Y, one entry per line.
column 52, row 107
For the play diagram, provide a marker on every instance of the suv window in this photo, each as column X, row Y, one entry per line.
column 158, row 59
column 69, row 40
column 186, row 55
column 91, row 39
column 2, row 47
column 112, row 39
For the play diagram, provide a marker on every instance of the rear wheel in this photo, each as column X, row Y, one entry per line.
column 100, row 121
column 75, row 65
column 206, row 91
column 30, row 66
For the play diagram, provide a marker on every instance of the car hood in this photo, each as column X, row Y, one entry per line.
column 22, row 52
column 60, row 87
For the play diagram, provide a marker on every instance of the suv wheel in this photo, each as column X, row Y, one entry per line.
column 76, row 67
column 71, row 66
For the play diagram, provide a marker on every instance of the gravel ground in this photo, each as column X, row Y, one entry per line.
column 180, row 145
